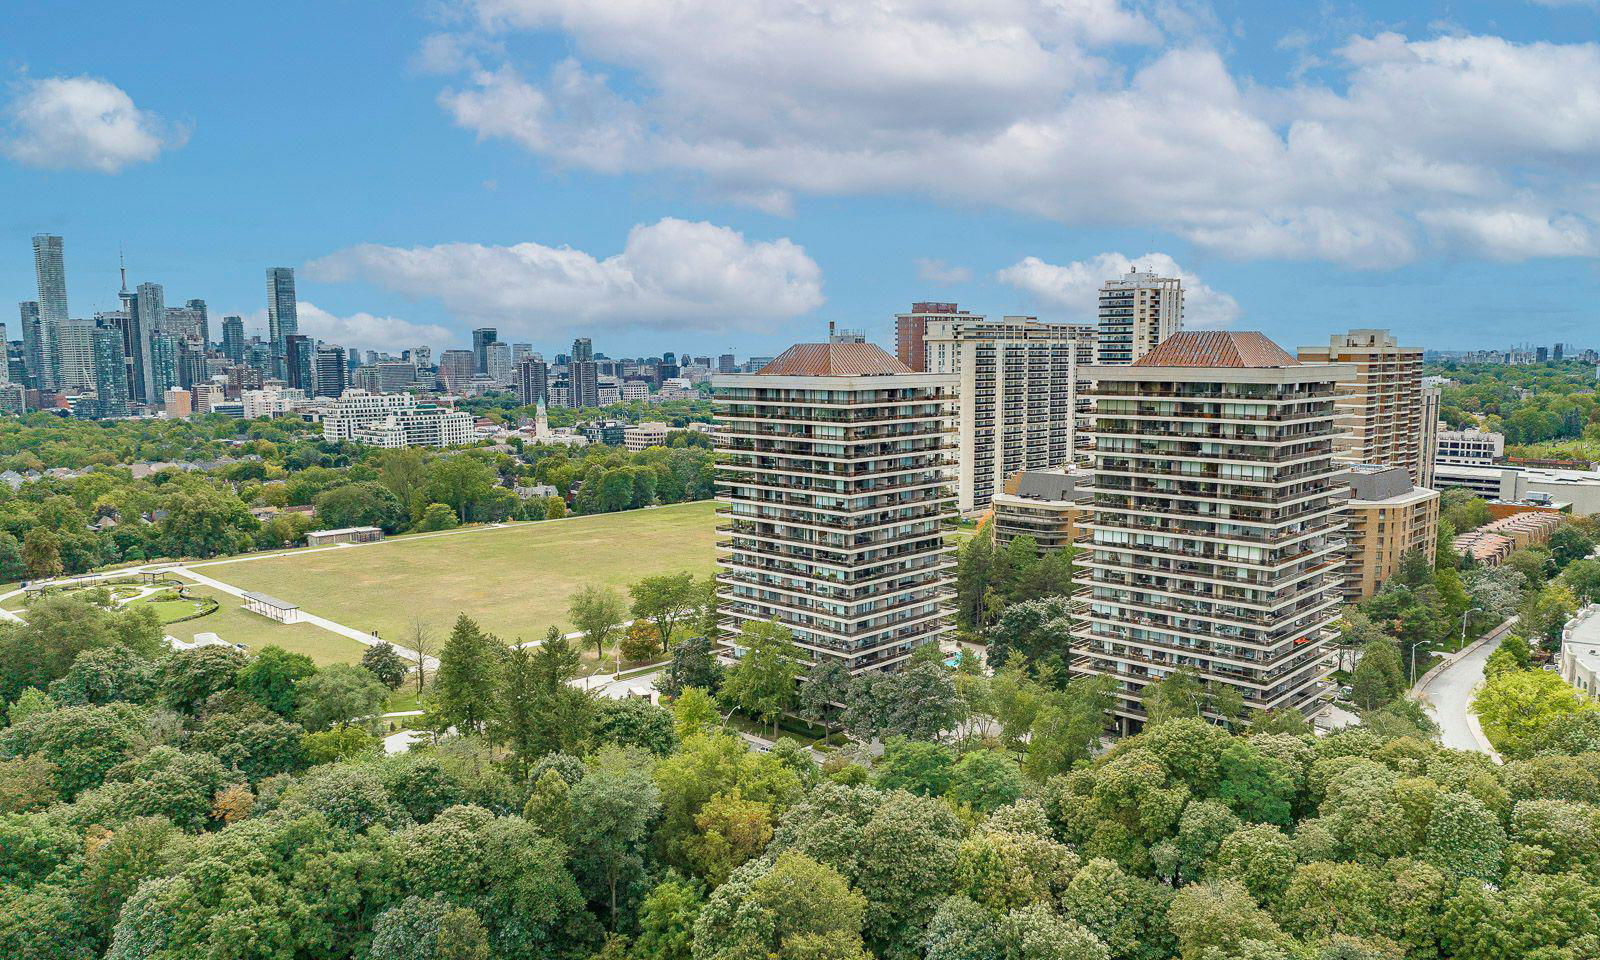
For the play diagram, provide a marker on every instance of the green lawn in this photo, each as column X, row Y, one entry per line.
column 233, row 624
column 169, row 606
column 515, row 581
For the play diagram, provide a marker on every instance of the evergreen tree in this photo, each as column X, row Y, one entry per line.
column 467, row 681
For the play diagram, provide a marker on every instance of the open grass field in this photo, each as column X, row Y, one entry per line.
column 515, row 581
column 233, row 624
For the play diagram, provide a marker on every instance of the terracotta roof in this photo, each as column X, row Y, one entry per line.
column 833, row 360
column 1217, row 348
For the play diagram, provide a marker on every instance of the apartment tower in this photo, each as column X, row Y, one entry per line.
column 1214, row 522
column 1380, row 405
column 50, row 274
column 1019, row 397
column 833, row 479
column 910, row 330
column 1138, row 312
column 283, row 314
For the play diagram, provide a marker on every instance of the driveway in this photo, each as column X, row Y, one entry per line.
column 1447, row 695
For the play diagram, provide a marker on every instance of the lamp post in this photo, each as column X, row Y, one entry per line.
column 1464, row 617
column 1414, row 647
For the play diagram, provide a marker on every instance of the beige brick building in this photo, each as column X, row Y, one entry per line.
column 1379, row 409
column 1386, row 516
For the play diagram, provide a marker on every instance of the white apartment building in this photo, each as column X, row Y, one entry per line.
column 1470, row 447
column 635, row 390
column 1137, row 313
column 641, row 435
column 833, row 478
column 272, row 401
column 394, row 420
column 1380, row 406
column 1214, row 523
column 1019, row 392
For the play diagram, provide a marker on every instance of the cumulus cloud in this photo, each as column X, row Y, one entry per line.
column 672, row 273
column 1073, row 288
column 1024, row 105
column 942, row 274
column 366, row 331
column 83, row 123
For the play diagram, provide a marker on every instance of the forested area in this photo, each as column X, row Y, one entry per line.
column 52, row 525
column 160, row 805
column 1545, row 410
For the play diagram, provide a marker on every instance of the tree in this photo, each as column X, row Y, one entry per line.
column 429, row 928
column 1038, row 630
column 41, row 553
column 84, row 743
column 917, row 701
column 1378, row 677
column 596, row 612
column 364, row 504
column 419, row 636
column 465, row 685
column 437, row 516
column 552, row 715
column 385, row 663
column 762, row 682
column 826, row 687
column 1515, row 708
column 920, row 767
column 610, row 814
column 1464, row 838
column 1068, row 726
column 693, row 664
column 634, row 722
column 1179, row 694
column 271, row 678
column 464, row 483
column 1569, row 544
column 1221, row 916
column 666, row 920
column 640, row 642
column 985, row 780
column 339, row 693
column 189, row 677
column 791, row 909
column 665, row 600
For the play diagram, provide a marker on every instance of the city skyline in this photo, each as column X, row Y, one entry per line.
column 522, row 210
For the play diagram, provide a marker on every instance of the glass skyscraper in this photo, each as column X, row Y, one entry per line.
column 283, row 320
column 49, row 268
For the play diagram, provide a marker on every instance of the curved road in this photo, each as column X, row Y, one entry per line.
column 1447, row 695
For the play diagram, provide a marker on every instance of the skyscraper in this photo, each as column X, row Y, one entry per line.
column 1379, row 406
column 110, row 372
column 283, row 318
column 32, row 343
column 481, row 338
column 583, row 375
column 50, row 272
column 835, row 528
column 297, row 368
column 456, row 369
column 533, row 382
column 331, row 371
column 498, row 363
column 1019, row 389
column 233, row 338
column 75, row 355
column 149, row 309
column 163, row 366
column 202, row 320
column 1214, row 523
column 1137, row 314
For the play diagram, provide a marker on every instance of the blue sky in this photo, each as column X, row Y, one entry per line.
column 737, row 175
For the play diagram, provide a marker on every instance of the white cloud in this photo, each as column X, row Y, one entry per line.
column 365, row 331
column 942, row 274
column 1510, row 234
column 1074, row 288
column 83, row 123
column 1022, row 104
column 672, row 273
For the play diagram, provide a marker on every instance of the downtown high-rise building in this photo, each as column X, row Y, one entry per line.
column 1137, row 313
column 833, row 463
column 283, row 316
column 498, row 363
column 1215, row 522
column 233, row 338
column 110, row 372
column 298, row 371
column 163, row 367
column 481, row 338
column 1379, row 406
column 33, row 361
column 456, row 369
column 330, row 371
column 1018, row 383
column 75, row 355
column 532, row 382
column 50, row 275
column 911, row 329
column 149, row 307
column 583, row 375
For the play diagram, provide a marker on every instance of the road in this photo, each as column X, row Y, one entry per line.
column 1447, row 696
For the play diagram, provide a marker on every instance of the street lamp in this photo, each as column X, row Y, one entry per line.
column 1464, row 617
column 1414, row 647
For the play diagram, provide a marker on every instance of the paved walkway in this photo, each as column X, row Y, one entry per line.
column 1446, row 693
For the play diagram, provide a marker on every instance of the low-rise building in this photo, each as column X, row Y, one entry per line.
column 1580, row 650
column 1527, row 529
column 641, row 435
column 322, row 538
column 1484, row 548
column 1386, row 517
column 1580, row 488
column 1470, row 447
column 1043, row 504
column 272, row 608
